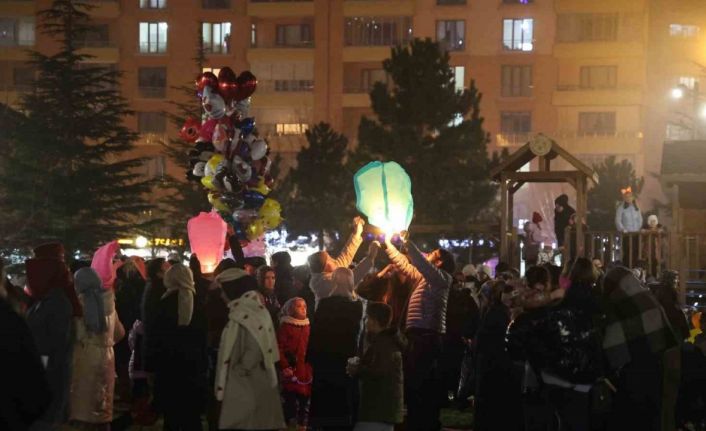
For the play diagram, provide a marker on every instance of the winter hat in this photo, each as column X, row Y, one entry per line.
column 652, row 218
column 485, row 269
column 103, row 263
column 179, row 279
column 89, row 285
column 50, row 250
column 562, row 200
column 536, row 217
column 469, row 271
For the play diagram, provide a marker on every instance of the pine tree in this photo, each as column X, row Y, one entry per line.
column 605, row 196
column 318, row 191
column 66, row 172
column 434, row 131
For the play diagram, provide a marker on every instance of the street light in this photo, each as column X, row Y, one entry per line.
column 677, row 92
column 697, row 109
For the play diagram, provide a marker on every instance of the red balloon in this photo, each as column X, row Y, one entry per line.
column 246, row 85
column 227, row 85
column 207, row 79
column 190, row 130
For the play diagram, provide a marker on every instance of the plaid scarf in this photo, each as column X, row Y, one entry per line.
column 634, row 317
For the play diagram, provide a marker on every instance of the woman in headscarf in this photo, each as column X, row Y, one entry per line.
column 334, row 339
column 246, row 377
column 178, row 350
column 93, row 377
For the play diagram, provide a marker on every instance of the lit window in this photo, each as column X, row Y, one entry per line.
column 216, row 37
column 253, row 35
column 451, row 34
column 17, row 31
column 684, row 30
column 214, row 70
column 153, row 37
column 459, row 78
column 291, row 128
column 517, row 34
column 153, row 4
column 689, row 82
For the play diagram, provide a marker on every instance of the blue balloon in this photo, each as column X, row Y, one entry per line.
column 246, row 126
column 253, row 199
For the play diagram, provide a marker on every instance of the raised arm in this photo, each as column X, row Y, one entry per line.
column 433, row 275
column 401, row 262
column 345, row 258
column 365, row 265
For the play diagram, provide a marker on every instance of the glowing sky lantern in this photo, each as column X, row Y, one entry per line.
column 384, row 194
column 207, row 236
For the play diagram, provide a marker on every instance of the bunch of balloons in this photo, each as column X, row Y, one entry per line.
column 229, row 159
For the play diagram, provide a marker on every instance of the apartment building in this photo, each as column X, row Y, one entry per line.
column 597, row 75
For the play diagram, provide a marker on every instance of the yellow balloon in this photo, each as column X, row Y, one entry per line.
column 208, row 183
column 217, row 203
column 212, row 163
column 271, row 205
column 272, row 220
column 261, row 187
column 255, row 229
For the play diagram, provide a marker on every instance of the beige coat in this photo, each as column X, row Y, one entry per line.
column 93, row 377
column 250, row 402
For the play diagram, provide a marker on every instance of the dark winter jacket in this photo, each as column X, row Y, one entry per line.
column 178, row 357
column 381, row 381
column 561, row 218
column 51, row 322
column 334, row 339
column 273, row 306
column 562, row 340
column 24, row 391
column 150, row 300
column 429, row 299
column 284, row 284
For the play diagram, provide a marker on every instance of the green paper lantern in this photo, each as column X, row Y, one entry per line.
column 384, row 194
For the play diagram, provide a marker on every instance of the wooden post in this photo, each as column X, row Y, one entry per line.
column 580, row 213
column 677, row 257
column 504, row 252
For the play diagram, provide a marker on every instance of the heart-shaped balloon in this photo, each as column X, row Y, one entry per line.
column 246, row 86
column 227, row 85
column 206, row 79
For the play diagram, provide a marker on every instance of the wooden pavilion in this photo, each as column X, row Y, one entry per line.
column 511, row 179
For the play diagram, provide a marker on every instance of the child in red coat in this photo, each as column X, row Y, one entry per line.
column 293, row 339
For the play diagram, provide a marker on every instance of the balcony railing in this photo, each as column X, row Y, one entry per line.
column 590, row 88
column 512, row 139
column 95, row 43
column 215, row 4
column 578, row 134
column 450, row 2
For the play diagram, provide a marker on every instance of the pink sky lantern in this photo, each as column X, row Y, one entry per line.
column 207, row 236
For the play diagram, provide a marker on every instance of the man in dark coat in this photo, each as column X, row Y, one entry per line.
column 50, row 321
column 24, row 391
column 284, row 272
column 562, row 215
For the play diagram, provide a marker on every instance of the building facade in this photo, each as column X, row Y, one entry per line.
column 596, row 75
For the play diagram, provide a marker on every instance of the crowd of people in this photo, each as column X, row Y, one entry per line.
column 338, row 345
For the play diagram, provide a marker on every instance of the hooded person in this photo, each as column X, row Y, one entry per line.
column 93, row 377
column 322, row 264
column 284, row 276
column 177, row 347
column 562, row 217
column 50, row 319
column 334, row 338
column 246, row 376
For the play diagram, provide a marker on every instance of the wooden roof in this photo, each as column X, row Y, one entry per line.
column 524, row 155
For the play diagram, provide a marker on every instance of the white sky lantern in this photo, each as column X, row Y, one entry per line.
column 384, row 194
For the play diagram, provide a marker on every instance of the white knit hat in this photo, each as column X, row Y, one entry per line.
column 469, row 271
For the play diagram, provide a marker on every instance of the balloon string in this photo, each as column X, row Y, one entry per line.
column 384, row 194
